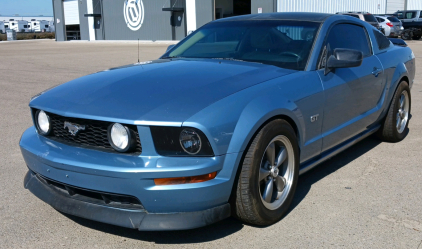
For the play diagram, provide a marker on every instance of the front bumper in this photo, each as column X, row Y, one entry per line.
column 169, row 207
column 137, row 219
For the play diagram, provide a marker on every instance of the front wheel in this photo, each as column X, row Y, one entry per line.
column 268, row 176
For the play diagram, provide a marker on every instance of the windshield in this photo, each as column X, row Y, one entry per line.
column 285, row 44
column 369, row 18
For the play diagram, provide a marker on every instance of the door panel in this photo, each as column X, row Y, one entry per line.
column 349, row 94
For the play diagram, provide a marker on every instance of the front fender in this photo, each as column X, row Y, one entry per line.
column 231, row 122
column 257, row 113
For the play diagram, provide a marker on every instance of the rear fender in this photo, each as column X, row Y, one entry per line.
column 400, row 73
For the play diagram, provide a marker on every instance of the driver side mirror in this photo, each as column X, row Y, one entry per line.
column 343, row 58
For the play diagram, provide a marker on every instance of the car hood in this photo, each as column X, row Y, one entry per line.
column 161, row 91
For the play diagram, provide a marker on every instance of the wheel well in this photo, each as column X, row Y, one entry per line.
column 404, row 79
column 284, row 117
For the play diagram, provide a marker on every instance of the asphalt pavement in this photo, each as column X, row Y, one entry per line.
column 369, row 196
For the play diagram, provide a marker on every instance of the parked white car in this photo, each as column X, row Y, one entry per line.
column 390, row 30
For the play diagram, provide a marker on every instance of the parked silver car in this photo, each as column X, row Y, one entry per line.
column 364, row 16
column 391, row 25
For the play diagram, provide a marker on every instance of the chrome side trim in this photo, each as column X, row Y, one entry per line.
column 311, row 164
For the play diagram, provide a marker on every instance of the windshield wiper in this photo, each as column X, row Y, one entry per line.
column 234, row 59
column 172, row 57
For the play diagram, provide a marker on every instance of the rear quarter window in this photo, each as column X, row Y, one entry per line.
column 382, row 41
column 379, row 19
column 369, row 18
column 393, row 19
column 356, row 16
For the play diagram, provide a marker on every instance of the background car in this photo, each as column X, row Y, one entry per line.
column 364, row 16
column 391, row 29
column 412, row 23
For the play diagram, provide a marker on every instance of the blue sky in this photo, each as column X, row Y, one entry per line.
column 26, row 7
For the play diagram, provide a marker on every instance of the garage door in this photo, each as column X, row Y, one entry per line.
column 394, row 5
column 71, row 12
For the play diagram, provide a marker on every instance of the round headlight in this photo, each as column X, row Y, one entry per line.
column 119, row 137
column 43, row 123
column 190, row 141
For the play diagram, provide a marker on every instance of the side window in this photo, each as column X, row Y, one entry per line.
column 400, row 15
column 349, row 36
column 356, row 16
column 410, row 15
column 382, row 41
column 420, row 16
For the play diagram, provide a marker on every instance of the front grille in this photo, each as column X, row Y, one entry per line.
column 94, row 136
column 92, row 196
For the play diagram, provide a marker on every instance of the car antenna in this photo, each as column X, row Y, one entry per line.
column 138, row 50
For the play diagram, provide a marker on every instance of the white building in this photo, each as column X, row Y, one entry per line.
column 174, row 19
column 334, row 6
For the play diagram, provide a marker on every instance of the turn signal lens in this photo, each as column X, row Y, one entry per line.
column 184, row 180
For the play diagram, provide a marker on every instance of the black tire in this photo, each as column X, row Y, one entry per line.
column 247, row 203
column 388, row 131
column 406, row 35
column 416, row 37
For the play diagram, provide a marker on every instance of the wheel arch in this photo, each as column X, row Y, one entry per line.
column 242, row 155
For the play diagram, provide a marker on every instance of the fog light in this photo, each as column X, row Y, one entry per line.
column 184, row 180
column 43, row 123
column 120, row 137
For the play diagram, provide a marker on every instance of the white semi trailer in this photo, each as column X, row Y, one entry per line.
column 19, row 25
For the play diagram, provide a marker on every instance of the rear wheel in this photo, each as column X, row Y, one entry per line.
column 406, row 35
column 268, row 176
column 396, row 122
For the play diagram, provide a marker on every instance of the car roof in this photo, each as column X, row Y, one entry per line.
column 299, row 16
column 355, row 12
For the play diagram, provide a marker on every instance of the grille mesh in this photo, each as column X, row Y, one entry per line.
column 94, row 135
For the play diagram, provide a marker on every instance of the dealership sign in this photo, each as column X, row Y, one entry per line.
column 133, row 11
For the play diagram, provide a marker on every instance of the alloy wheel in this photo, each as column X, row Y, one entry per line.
column 403, row 112
column 276, row 172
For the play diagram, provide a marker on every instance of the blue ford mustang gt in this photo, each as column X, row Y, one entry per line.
column 222, row 124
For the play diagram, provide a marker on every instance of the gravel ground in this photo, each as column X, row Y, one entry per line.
column 366, row 197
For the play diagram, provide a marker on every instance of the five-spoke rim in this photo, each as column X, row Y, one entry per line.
column 403, row 112
column 276, row 172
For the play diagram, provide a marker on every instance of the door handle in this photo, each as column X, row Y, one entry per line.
column 376, row 71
